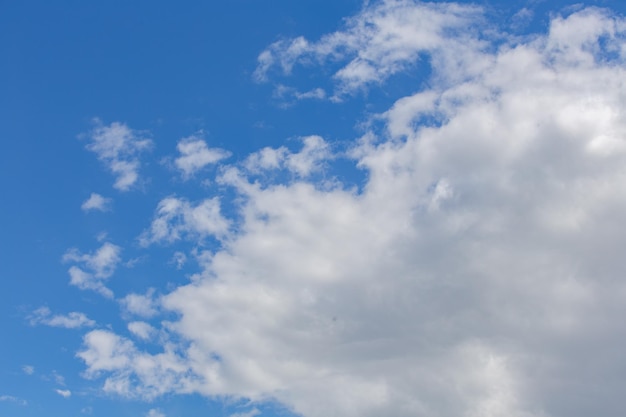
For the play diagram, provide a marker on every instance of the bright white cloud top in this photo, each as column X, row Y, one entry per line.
column 476, row 271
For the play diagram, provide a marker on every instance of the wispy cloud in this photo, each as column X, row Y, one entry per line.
column 385, row 38
column 65, row 393
column 251, row 413
column 72, row 320
column 118, row 147
column 95, row 268
column 11, row 398
column 96, row 202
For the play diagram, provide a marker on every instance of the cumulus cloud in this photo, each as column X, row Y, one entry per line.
column 28, row 369
column 96, row 202
column 477, row 272
column 195, row 155
column 72, row 320
column 143, row 305
column 315, row 151
column 141, row 330
column 95, row 268
column 177, row 218
column 118, row 147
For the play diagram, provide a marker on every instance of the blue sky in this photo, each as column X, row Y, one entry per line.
column 315, row 208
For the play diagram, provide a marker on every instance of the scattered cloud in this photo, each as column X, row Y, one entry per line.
column 195, row 155
column 118, row 147
column 385, row 38
column 141, row 330
column 65, row 393
column 177, row 218
column 72, row 320
column 95, row 268
column 288, row 95
column 472, row 274
column 28, row 369
column 96, row 202
column 143, row 305
column 315, row 151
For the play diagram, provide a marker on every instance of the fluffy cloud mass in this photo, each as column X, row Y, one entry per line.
column 477, row 270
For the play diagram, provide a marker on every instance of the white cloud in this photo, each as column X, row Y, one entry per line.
column 385, row 38
column 118, row 147
column 177, row 218
column 96, row 202
column 477, row 273
column 141, row 330
column 157, row 374
column 195, row 155
column 65, row 393
column 143, row 305
column 315, row 151
column 28, row 369
column 95, row 268
column 72, row 320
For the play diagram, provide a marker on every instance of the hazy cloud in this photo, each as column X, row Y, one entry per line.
column 96, row 202
column 65, row 393
column 72, row 320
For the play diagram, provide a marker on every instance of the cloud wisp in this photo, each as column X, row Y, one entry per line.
column 118, row 147
column 72, row 320
column 472, row 274
column 94, row 269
